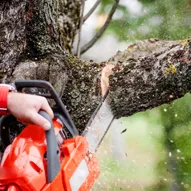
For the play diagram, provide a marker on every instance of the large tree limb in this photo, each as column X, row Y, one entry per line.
column 146, row 75
column 149, row 74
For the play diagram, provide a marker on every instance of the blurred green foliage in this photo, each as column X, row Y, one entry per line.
column 163, row 19
column 176, row 166
column 171, row 144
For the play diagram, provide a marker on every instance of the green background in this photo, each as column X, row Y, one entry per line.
column 154, row 151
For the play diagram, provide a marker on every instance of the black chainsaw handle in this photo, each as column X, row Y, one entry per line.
column 53, row 163
column 60, row 107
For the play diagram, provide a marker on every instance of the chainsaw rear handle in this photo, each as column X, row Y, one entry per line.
column 53, row 164
column 20, row 84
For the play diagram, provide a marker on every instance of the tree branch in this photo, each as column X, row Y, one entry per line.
column 80, row 29
column 149, row 74
column 101, row 31
column 91, row 10
column 146, row 75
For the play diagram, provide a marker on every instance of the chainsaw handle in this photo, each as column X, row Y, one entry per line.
column 53, row 164
column 20, row 84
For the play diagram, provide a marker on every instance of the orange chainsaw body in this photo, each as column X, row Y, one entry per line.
column 24, row 166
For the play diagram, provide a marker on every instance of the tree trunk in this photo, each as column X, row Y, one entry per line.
column 36, row 40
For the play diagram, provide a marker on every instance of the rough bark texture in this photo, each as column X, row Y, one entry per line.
column 35, row 42
column 77, row 82
column 51, row 25
column 32, row 29
column 148, row 74
column 12, row 35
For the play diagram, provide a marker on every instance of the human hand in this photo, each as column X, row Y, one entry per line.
column 25, row 108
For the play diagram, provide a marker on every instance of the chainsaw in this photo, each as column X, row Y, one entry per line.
column 55, row 160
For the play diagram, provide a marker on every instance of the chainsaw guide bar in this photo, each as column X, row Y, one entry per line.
column 99, row 124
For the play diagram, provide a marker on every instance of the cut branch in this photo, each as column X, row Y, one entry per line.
column 91, row 10
column 147, row 79
column 102, row 30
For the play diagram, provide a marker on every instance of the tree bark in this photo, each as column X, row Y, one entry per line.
column 149, row 74
column 36, row 39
